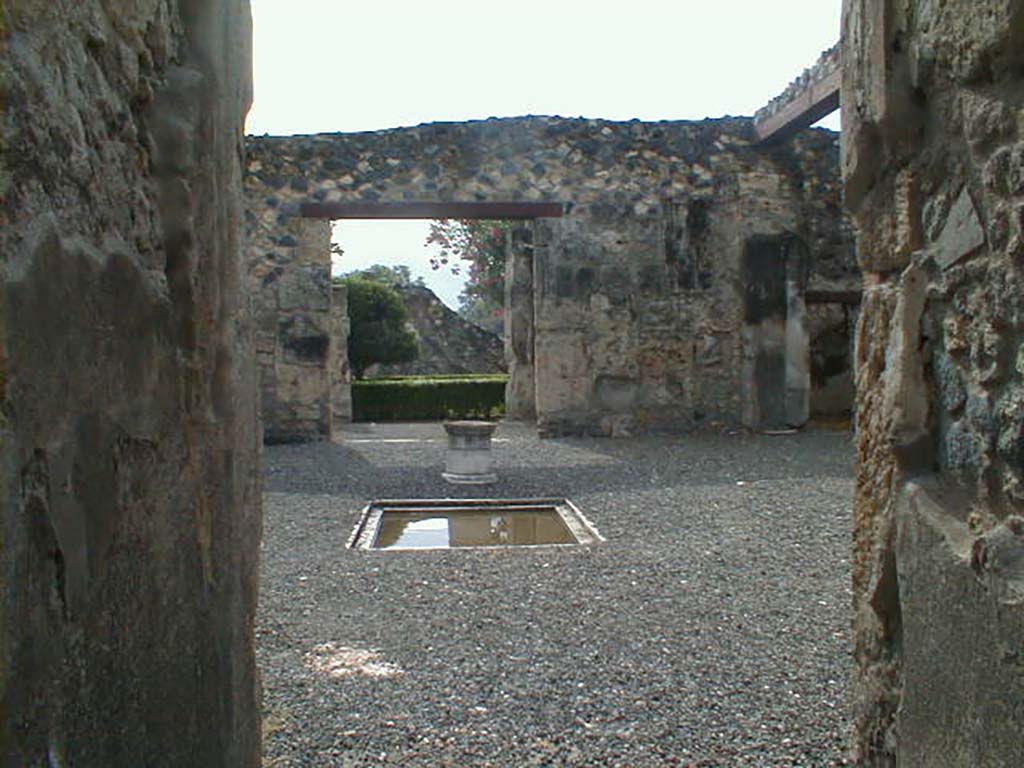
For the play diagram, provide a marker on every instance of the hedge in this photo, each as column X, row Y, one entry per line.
column 432, row 398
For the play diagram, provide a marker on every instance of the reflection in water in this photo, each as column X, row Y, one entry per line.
column 417, row 531
column 486, row 528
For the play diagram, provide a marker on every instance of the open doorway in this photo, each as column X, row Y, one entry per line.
column 422, row 332
column 454, row 308
column 302, row 315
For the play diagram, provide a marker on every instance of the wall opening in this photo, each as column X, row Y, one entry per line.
column 452, row 339
column 773, row 270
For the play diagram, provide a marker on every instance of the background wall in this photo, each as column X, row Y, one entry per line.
column 129, row 463
column 636, row 290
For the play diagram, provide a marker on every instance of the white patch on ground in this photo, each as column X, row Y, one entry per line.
column 341, row 661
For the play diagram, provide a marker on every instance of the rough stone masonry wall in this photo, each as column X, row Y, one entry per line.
column 933, row 160
column 129, row 461
column 294, row 319
column 637, row 294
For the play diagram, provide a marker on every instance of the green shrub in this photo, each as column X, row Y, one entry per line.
column 431, row 398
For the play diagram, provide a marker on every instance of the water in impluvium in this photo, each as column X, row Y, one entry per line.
column 484, row 528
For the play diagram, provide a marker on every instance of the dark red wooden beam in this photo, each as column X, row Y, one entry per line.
column 432, row 210
column 818, row 99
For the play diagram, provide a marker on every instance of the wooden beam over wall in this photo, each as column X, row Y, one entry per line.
column 819, row 99
column 432, row 210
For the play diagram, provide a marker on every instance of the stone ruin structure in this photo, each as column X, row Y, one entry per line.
column 933, row 165
column 129, row 468
column 447, row 343
column 662, row 284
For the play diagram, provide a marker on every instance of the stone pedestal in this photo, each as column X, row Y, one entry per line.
column 468, row 461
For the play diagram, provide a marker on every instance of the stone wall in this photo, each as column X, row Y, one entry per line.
column 129, row 461
column 638, row 291
column 933, row 159
column 446, row 342
column 291, row 285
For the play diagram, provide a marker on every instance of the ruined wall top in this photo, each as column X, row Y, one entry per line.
column 523, row 158
column 601, row 168
column 487, row 159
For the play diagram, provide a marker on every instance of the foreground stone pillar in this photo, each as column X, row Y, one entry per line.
column 933, row 158
column 129, row 544
column 469, row 460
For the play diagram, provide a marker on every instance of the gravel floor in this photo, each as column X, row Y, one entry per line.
column 710, row 629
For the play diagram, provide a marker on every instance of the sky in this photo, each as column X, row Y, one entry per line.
column 360, row 65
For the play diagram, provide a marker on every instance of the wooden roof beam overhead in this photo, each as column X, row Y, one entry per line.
column 432, row 210
column 815, row 100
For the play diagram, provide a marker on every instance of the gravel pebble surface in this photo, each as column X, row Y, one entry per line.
column 711, row 628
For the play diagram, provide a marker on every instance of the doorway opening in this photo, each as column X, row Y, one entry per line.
column 478, row 256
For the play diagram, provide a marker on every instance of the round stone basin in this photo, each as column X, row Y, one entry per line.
column 469, row 460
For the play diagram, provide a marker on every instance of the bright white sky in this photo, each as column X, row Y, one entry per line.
column 361, row 65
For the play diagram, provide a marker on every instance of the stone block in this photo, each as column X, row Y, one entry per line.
column 949, row 378
column 961, row 235
column 987, row 122
column 304, row 288
column 616, row 394
column 962, row 625
column 890, row 224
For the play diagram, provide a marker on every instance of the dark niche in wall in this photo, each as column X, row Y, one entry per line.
column 308, row 349
column 686, row 233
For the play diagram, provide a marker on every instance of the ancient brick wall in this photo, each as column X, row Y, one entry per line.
column 933, row 160
column 637, row 297
column 130, row 443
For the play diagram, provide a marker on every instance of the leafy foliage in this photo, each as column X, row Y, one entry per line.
column 378, row 333
column 477, row 246
column 396, row 277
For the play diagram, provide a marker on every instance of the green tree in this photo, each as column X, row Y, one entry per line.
column 478, row 247
column 396, row 277
column 377, row 333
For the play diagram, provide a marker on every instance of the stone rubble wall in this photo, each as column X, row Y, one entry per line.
column 636, row 291
column 933, row 160
column 294, row 319
column 447, row 343
column 129, row 467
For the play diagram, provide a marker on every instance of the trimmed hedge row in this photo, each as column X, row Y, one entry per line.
column 433, row 398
